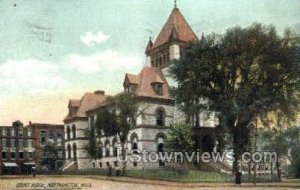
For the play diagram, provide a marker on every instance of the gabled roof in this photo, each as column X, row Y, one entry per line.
column 132, row 79
column 74, row 103
column 87, row 102
column 145, row 80
column 175, row 27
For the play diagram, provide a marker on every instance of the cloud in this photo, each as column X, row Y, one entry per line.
column 30, row 75
column 108, row 60
column 90, row 39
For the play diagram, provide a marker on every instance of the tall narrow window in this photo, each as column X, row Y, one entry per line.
column 3, row 155
column 69, row 151
column 68, row 133
column 29, row 132
column 160, row 118
column 59, row 139
column 43, row 137
column 3, row 132
column 74, row 131
column 20, row 132
column 74, row 152
column 12, row 143
column 12, row 132
column 21, row 143
column 3, row 143
column 51, row 136
column 30, row 155
column 29, row 143
column 12, row 155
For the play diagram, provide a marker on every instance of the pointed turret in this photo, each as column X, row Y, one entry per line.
column 175, row 23
column 149, row 46
column 170, row 42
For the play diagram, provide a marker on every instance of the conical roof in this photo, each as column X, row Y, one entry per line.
column 175, row 25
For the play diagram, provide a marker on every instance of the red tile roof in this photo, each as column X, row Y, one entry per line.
column 87, row 102
column 146, row 78
column 175, row 27
column 133, row 79
column 74, row 103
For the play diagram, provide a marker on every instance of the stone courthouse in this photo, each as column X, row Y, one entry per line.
column 151, row 85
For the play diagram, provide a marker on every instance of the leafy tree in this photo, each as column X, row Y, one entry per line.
column 247, row 74
column 117, row 118
column 49, row 156
column 292, row 138
column 180, row 138
column 91, row 147
column 286, row 143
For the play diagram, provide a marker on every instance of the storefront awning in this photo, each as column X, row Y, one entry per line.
column 10, row 164
column 29, row 163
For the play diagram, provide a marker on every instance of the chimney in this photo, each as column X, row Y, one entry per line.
column 101, row 92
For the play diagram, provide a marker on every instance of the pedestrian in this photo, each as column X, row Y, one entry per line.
column 238, row 178
column 33, row 171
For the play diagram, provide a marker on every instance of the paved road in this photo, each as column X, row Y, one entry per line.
column 98, row 183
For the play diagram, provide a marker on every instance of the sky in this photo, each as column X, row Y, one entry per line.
column 55, row 50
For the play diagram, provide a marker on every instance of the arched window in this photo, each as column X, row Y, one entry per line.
column 134, row 143
column 74, row 131
column 107, row 151
column 69, row 151
column 74, row 152
column 160, row 117
column 100, row 151
column 160, row 138
column 68, row 133
column 115, row 148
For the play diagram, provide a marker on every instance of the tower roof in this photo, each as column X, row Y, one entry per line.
column 175, row 25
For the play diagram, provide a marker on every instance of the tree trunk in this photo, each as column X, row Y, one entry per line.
column 124, row 157
column 278, row 169
column 236, row 151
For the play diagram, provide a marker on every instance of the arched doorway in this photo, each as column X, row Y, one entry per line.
column 207, row 144
column 160, row 139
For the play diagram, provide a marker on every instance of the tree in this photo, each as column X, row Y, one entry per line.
column 247, row 74
column 292, row 138
column 117, row 118
column 180, row 138
column 49, row 156
column 285, row 142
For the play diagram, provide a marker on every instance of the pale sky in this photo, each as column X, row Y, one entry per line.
column 55, row 50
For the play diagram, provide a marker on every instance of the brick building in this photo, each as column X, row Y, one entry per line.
column 21, row 146
column 17, row 149
column 45, row 134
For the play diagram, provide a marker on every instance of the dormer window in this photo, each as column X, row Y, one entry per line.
column 157, row 87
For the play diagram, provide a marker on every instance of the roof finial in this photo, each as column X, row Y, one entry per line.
column 175, row 3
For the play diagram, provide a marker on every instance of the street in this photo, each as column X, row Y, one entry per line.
column 102, row 183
